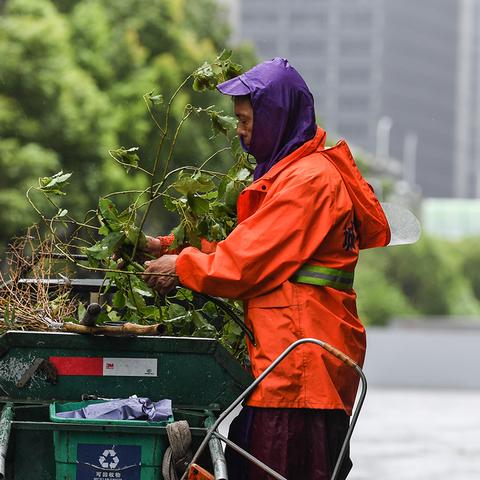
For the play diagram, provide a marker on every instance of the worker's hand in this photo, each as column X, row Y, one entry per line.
column 160, row 274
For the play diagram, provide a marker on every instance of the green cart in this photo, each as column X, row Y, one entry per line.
column 42, row 373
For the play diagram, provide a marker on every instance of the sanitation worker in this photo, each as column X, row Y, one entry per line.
column 291, row 259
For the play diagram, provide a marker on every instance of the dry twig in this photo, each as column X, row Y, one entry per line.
column 27, row 302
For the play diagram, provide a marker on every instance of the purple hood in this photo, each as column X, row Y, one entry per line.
column 283, row 110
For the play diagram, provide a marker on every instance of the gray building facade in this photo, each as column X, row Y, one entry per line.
column 398, row 78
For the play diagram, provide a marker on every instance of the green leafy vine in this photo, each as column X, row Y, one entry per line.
column 113, row 242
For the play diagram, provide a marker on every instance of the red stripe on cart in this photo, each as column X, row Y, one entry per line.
column 74, row 366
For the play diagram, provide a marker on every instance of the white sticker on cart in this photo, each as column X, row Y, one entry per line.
column 130, row 367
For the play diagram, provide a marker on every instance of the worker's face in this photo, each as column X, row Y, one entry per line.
column 244, row 113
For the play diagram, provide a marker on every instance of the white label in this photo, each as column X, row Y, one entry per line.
column 130, row 367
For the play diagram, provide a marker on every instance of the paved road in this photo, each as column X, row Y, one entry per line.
column 418, row 435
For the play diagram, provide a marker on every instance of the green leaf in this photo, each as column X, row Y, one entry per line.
column 132, row 316
column 198, row 319
column 203, row 227
column 220, row 211
column 185, row 184
column 217, row 232
column 225, row 55
column 243, row 174
column 57, row 179
column 179, row 235
column 134, row 234
column 53, row 185
column 241, row 157
column 9, row 316
column 113, row 316
column 127, row 157
column 109, row 214
column 154, row 99
column 237, row 149
column 118, row 300
column 112, row 241
column 232, row 192
column 192, row 237
column 106, row 247
column 205, row 78
column 235, row 329
column 223, row 124
column 135, row 301
column 151, row 312
column 204, row 182
column 222, row 186
column 143, row 291
column 102, row 317
column 193, row 184
column 199, row 205
column 232, row 70
column 211, row 195
column 170, row 204
column 184, row 294
column 81, row 310
column 103, row 230
column 228, row 69
column 175, row 310
column 203, row 328
column 210, row 308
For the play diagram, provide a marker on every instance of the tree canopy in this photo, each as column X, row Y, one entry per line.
column 72, row 78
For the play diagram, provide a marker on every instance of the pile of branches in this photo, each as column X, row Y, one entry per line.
column 27, row 299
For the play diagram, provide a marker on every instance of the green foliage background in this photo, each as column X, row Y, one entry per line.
column 434, row 277
column 72, row 76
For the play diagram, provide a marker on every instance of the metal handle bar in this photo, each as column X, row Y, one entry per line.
column 329, row 348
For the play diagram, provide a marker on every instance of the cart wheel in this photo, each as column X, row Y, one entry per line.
column 178, row 454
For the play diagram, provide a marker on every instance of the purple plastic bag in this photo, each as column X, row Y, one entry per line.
column 132, row 408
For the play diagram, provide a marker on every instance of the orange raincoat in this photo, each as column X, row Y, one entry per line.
column 299, row 212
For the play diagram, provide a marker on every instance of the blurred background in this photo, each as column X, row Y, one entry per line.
column 400, row 80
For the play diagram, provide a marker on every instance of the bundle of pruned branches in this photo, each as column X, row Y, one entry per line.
column 27, row 300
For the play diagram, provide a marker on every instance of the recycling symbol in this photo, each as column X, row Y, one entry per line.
column 108, row 459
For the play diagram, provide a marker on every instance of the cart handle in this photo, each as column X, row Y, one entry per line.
column 329, row 348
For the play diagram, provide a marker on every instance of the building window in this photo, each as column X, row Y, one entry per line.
column 308, row 20
column 353, row 129
column 266, row 46
column 348, row 103
column 354, row 75
column 307, row 47
column 356, row 19
column 354, row 47
column 255, row 16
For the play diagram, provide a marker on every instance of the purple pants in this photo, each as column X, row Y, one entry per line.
column 297, row 443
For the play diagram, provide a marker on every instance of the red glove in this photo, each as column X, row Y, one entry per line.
column 166, row 241
column 160, row 245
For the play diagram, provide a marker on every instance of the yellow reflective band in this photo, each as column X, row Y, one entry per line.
column 323, row 276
